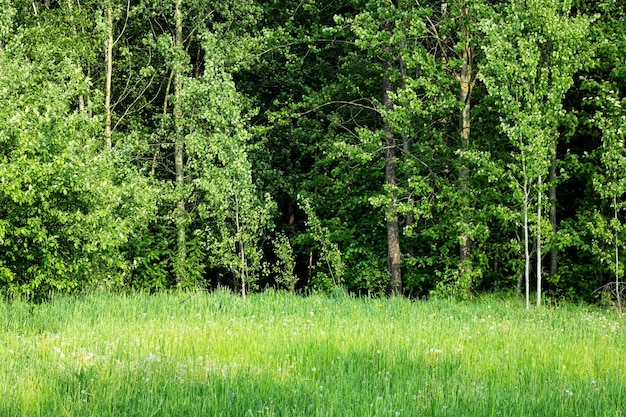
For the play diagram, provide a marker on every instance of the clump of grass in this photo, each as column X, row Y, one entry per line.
column 275, row 354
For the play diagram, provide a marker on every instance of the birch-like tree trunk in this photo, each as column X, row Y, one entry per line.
column 109, row 76
column 617, row 289
column 525, row 185
column 526, row 203
column 539, row 265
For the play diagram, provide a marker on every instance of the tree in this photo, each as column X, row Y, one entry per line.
column 233, row 215
column 609, row 181
column 409, row 79
column 532, row 52
column 313, row 145
column 592, row 233
column 453, row 37
column 6, row 21
column 67, row 210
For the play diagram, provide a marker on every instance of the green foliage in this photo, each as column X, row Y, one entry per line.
column 531, row 56
column 6, row 20
column 596, row 180
column 283, row 268
column 40, row 176
column 329, row 267
column 609, row 181
column 67, row 211
column 532, row 52
column 234, row 214
column 269, row 101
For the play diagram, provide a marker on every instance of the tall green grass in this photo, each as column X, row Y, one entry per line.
column 275, row 354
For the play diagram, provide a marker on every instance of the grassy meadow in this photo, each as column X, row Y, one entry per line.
column 275, row 354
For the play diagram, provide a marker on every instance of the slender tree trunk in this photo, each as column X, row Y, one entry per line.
column 539, row 266
column 526, row 238
column 242, row 252
column 179, row 145
column 35, row 10
column 81, row 104
column 393, row 226
column 527, row 259
column 465, row 80
column 109, row 75
column 617, row 289
column 291, row 215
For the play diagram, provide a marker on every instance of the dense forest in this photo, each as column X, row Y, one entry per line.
column 423, row 148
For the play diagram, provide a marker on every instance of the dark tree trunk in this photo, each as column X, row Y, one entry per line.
column 393, row 227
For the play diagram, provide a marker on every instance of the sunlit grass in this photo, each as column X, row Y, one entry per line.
column 280, row 355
